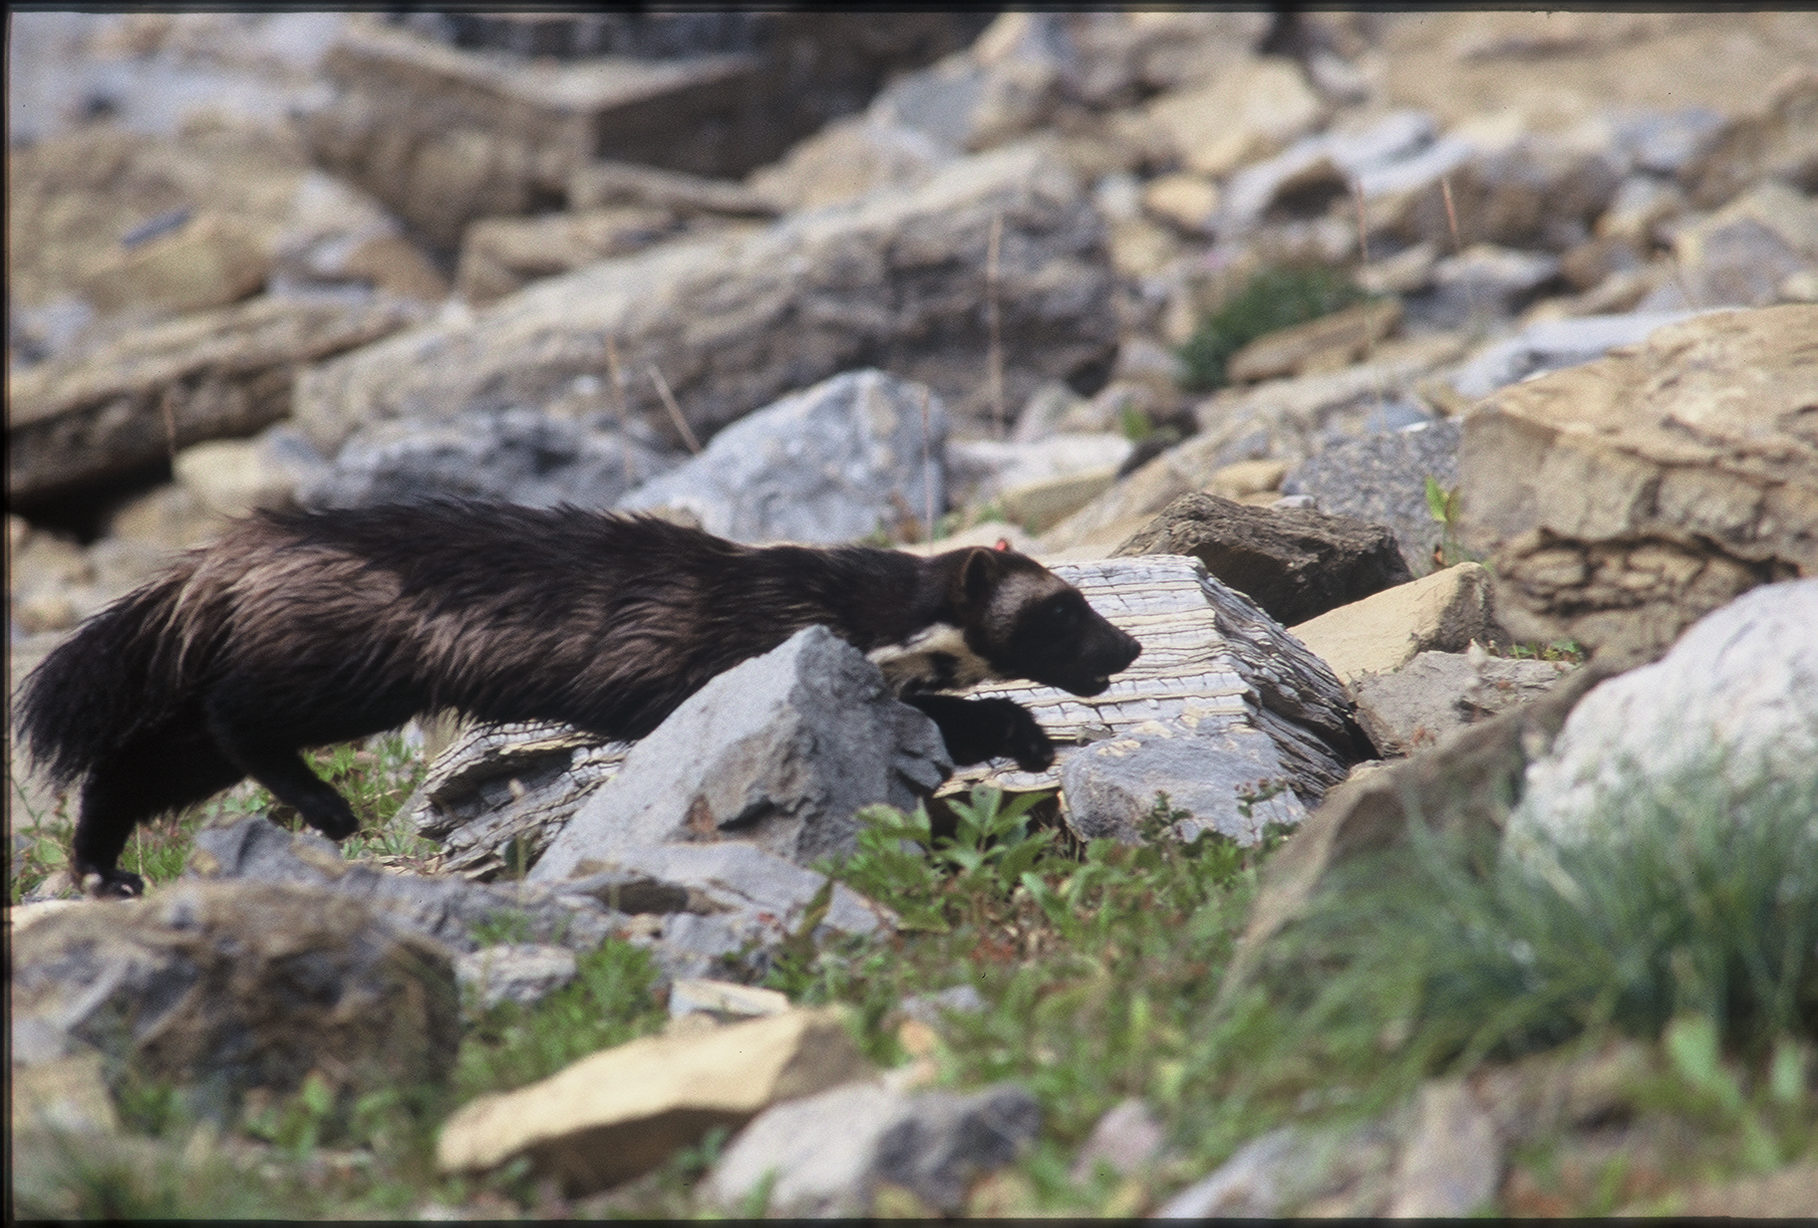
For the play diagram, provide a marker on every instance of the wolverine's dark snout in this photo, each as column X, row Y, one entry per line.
column 1063, row 642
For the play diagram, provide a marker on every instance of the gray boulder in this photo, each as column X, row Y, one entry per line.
column 780, row 750
column 1735, row 698
column 854, row 454
column 518, row 455
column 228, row 987
column 1438, row 692
column 828, row 1154
column 1382, row 479
column 717, row 909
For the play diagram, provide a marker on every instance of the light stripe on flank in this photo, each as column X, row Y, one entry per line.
column 935, row 657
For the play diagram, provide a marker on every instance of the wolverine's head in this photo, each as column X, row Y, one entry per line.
column 1026, row 622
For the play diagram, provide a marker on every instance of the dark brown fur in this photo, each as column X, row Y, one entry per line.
column 300, row 629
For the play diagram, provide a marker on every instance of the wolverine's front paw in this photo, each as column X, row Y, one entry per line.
column 1029, row 745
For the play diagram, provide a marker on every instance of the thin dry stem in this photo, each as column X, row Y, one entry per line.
column 615, row 372
column 675, row 411
column 993, row 325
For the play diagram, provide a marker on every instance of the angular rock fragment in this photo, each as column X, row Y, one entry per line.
column 445, row 908
column 780, row 750
column 828, row 1154
column 713, row 909
column 445, row 135
column 1295, row 563
column 1445, row 611
column 837, row 462
column 1438, row 692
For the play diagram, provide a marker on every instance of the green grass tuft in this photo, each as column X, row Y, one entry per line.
column 1273, row 299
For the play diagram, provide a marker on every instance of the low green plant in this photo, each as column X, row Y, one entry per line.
column 1273, row 299
column 1442, row 506
column 611, row 1000
column 1690, row 902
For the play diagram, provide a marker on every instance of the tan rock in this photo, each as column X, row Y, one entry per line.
column 1743, row 253
column 1140, row 247
column 209, row 261
column 1248, row 112
column 1624, row 498
column 392, row 264
column 168, row 518
column 623, row 1111
column 724, row 1001
column 1443, row 611
column 1187, row 201
column 84, row 419
column 1548, row 70
column 1780, row 140
column 68, row 1095
column 1325, row 344
column 232, row 476
column 499, row 255
column 1256, row 477
column 1041, row 504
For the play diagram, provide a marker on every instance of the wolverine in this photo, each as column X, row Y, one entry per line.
column 301, row 628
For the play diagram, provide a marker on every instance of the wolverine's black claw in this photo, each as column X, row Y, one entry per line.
column 112, row 884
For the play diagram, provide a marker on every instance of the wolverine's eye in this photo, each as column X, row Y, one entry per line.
column 1058, row 615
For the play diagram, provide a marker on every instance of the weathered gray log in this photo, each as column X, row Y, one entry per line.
column 498, row 795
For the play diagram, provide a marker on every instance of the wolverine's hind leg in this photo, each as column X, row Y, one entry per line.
column 280, row 768
column 149, row 776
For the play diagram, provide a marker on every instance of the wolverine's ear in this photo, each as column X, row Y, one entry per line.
column 977, row 576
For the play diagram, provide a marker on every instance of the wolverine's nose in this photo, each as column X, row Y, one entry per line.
column 1131, row 649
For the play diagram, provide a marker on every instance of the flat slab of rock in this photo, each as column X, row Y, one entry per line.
column 837, row 462
column 623, row 1111
column 1438, row 692
column 733, row 324
column 443, row 907
column 711, row 909
column 780, row 751
column 79, row 421
column 1224, row 711
column 445, row 135
column 1625, row 498
column 1296, row 563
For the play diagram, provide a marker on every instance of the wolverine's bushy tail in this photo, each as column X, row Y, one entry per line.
column 122, row 672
